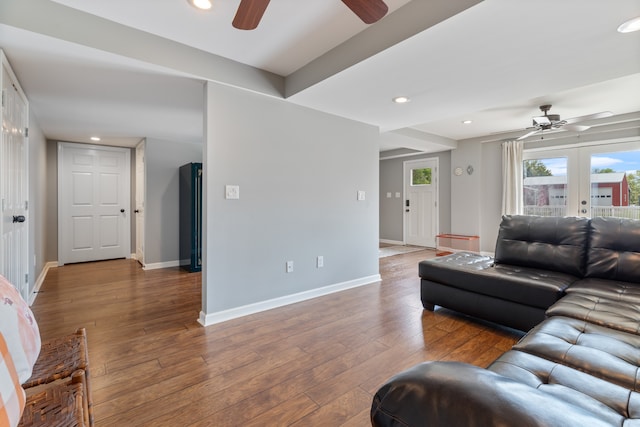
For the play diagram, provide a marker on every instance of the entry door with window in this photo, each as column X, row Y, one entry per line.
column 421, row 197
column 93, row 203
column 590, row 181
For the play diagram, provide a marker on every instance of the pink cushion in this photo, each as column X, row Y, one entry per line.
column 12, row 398
column 19, row 329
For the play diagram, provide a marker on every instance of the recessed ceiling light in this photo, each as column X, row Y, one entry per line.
column 401, row 99
column 467, row 122
column 200, row 4
column 95, row 138
column 630, row 26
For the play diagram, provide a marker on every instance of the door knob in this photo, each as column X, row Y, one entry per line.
column 18, row 218
column 122, row 210
column 136, row 211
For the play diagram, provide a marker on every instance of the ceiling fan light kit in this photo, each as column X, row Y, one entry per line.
column 552, row 121
column 250, row 12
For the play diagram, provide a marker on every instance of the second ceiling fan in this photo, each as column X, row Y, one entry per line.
column 250, row 12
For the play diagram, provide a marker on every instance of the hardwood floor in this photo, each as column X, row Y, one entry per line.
column 315, row 363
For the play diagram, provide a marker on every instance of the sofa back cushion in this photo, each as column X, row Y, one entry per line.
column 549, row 243
column 614, row 250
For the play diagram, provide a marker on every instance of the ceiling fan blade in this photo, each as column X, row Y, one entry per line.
column 526, row 135
column 249, row 14
column 600, row 115
column 369, row 11
column 575, row 128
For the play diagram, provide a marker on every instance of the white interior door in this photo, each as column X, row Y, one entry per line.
column 421, row 202
column 14, row 188
column 139, row 211
column 93, row 203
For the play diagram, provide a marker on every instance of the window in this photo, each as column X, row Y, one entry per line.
column 545, row 186
column 594, row 180
column 421, row 176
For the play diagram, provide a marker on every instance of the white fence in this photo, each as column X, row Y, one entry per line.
column 632, row 212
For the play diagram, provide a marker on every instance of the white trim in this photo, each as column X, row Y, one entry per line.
column 38, row 284
column 157, row 265
column 134, row 256
column 398, row 156
column 234, row 313
column 391, row 242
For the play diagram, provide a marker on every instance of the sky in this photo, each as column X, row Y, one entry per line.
column 628, row 161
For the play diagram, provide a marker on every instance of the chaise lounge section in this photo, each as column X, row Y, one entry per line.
column 578, row 366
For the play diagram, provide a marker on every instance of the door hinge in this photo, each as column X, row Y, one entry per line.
column 26, row 278
column 3, row 99
column 26, row 132
column 26, row 205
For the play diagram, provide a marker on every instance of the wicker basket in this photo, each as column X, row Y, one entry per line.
column 60, row 358
column 60, row 403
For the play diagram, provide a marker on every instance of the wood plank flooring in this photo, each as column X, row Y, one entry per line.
column 315, row 363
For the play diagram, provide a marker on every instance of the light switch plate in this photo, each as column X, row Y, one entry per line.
column 232, row 191
column 388, row 195
column 397, row 194
column 361, row 195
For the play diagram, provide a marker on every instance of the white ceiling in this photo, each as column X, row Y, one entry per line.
column 86, row 69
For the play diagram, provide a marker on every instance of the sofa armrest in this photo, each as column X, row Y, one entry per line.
column 458, row 394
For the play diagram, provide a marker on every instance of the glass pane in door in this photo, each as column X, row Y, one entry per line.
column 545, row 186
column 615, row 184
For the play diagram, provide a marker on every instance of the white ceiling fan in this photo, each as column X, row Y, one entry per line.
column 552, row 121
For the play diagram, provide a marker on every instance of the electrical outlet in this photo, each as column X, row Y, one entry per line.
column 289, row 266
column 320, row 261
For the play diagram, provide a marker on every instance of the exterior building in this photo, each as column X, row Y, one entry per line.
column 607, row 189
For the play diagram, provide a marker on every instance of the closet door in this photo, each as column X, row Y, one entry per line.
column 14, row 186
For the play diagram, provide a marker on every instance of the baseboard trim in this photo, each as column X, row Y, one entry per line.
column 38, row 284
column 391, row 242
column 234, row 313
column 157, row 265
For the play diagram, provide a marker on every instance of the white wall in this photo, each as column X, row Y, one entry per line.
column 299, row 171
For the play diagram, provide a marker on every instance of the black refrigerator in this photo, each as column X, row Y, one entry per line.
column 191, row 217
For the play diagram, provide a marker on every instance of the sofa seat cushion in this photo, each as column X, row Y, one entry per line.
column 611, row 313
column 605, row 400
column 477, row 273
column 610, row 289
column 458, row 394
column 608, row 354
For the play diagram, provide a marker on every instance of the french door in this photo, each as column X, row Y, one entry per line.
column 589, row 181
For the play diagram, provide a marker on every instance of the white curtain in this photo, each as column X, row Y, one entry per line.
column 512, row 178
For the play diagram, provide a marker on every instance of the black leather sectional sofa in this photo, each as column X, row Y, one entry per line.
column 576, row 281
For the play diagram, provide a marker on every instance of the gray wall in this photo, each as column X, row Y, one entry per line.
column 163, row 158
column 51, row 172
column 391, row 181
column 37, row 200
column 299, row 171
